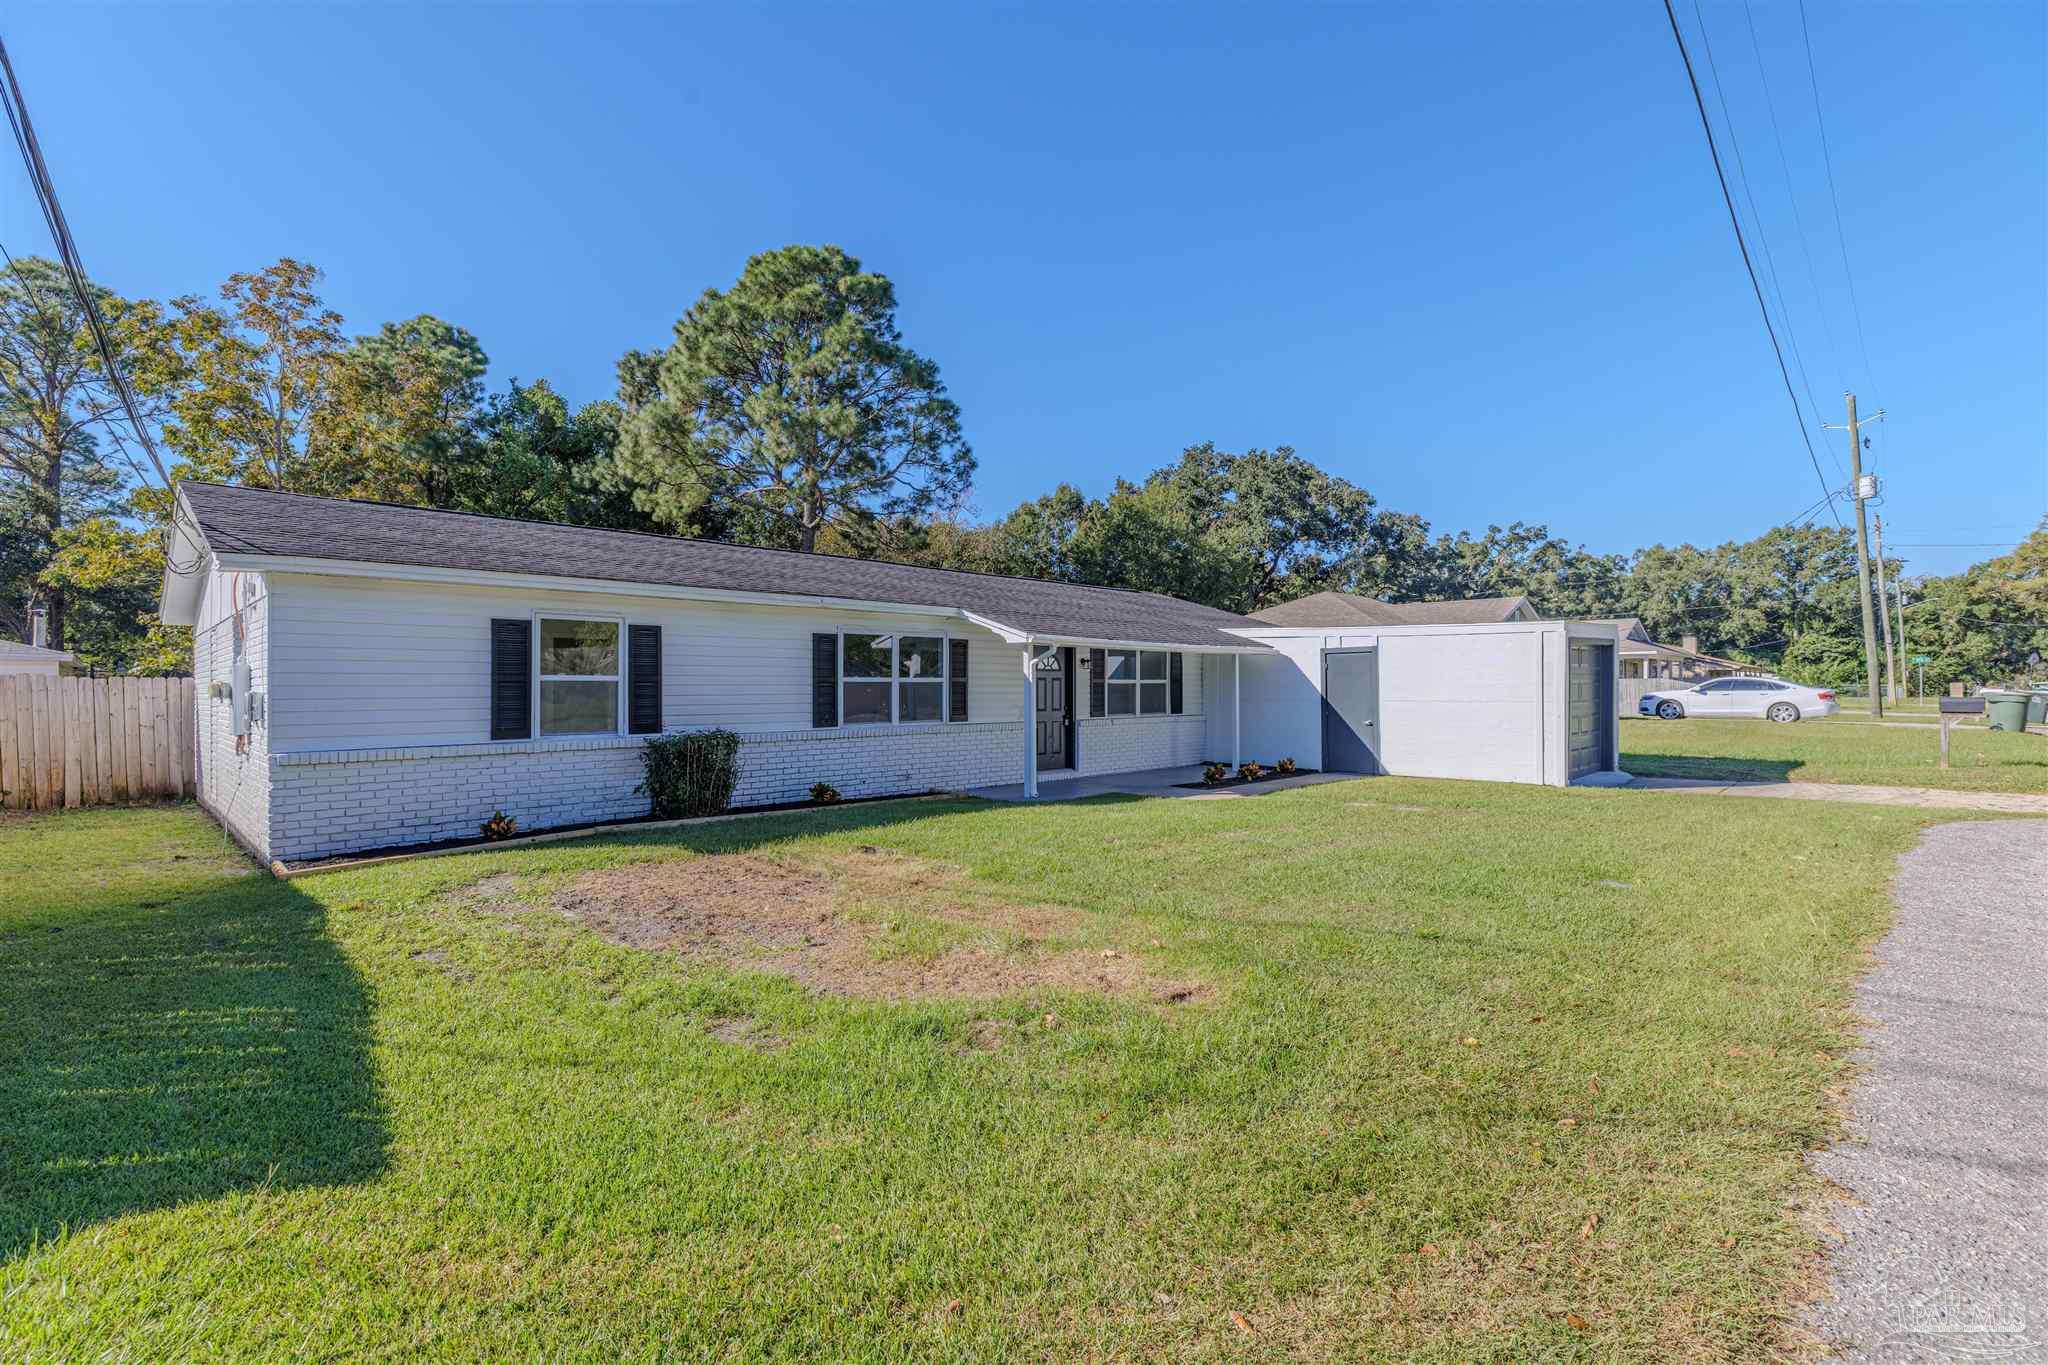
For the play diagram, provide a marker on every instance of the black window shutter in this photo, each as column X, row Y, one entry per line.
column 1098, row 665
column 1174, row 683
column 511, row 679
column 824, row 680
column 956, row 680
column 643, row 680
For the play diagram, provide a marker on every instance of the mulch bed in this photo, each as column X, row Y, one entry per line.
column 595, row 827
column 1235, row 781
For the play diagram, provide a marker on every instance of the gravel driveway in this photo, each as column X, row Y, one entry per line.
column 1946, row 1250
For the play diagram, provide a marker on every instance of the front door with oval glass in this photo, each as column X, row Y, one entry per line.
column 1052, row 682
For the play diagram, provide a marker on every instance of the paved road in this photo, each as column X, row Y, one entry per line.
column 1931, row 798
column 1946, row 1250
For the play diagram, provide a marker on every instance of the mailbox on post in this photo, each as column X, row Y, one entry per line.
column 1952, row 707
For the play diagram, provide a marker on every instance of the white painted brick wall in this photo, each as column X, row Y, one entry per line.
column 340, row 801
column 327, row 802
column 1123, row 744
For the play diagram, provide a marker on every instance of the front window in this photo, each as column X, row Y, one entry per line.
column 579, row 677
column 1134, row 682
column 890, row 678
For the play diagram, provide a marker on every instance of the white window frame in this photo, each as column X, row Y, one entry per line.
column 1137, row 682
column 618, row 679
column 944, row 678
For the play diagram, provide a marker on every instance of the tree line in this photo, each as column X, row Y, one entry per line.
column 787, row 410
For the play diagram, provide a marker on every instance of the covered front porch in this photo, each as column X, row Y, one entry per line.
column 1095, row 709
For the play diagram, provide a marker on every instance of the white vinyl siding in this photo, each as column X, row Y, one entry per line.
column 365, row 663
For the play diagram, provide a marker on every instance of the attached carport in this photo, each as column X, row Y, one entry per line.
column 1517, row 701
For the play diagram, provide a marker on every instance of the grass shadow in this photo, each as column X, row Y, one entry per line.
column 1711, row 767
column 758, row 832
column 155, row 1054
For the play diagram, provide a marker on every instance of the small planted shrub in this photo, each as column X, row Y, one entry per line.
column 499, row 826
column 690, row 774
column 1284, row 766
column 1251, row 771
column 824, row 793
column 1212, row 773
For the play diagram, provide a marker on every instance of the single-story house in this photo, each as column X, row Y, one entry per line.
column 370, row 675
column 1644, row 658
column 18, row 658
column 1356, row 609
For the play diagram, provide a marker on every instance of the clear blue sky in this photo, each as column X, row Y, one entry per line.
column 1471, row 257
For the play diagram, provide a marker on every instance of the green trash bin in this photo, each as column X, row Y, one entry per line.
column 2037, row 705
column 2005, row 710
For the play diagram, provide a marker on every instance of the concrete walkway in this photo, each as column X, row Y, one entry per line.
column 1167, row 782
column 1931, row 798
column 1944, row 1251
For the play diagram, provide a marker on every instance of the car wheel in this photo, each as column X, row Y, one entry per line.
column 1670, row 710
column 1783, row 712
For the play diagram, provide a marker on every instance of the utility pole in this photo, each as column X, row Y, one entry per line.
column 1858, row 492
column 1900, row 588
column 1892, row 667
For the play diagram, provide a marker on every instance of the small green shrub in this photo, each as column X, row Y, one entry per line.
column 691, row 774
column 499, row 826
column 824, row 793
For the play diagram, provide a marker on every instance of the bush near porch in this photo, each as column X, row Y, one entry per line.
column 1486, row 1072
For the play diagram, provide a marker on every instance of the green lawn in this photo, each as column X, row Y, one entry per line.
column 1481, row 1072
column 1900, row 756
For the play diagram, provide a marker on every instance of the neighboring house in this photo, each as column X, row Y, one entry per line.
column 18, row 658
column 372, row 675
column 1644, row 658
column 1356, row 609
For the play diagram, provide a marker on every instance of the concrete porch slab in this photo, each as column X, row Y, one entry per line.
column 1146, row 782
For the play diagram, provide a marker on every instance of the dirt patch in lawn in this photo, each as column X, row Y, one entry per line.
column 867, row 923
column 497, row 890
column 742, row 1031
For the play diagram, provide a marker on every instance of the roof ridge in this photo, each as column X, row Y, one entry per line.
column 700, row 540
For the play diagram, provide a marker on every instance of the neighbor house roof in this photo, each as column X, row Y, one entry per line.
column 238, row 521
column 1637, row 644
column 1356, row 609
column 13, row 651
column 1630, row 628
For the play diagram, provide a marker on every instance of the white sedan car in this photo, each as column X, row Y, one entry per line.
column 1755, row 698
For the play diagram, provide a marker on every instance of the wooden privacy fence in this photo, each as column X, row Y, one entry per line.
column 1629, row 691
column 92, row 741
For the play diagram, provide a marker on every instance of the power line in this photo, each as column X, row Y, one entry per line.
column 23, row 129
column 1763, row 238
column 1748, row 265
column 1791, row 194
column 1827, row 160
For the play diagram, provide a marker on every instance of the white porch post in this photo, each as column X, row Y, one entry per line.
column 1030, row 727
column 1236, row 709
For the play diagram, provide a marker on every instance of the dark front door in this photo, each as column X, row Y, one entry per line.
column 1351, row 711
column 1052, row 678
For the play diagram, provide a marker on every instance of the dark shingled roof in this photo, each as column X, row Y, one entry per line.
column 258, row 521
column 1355, row 609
